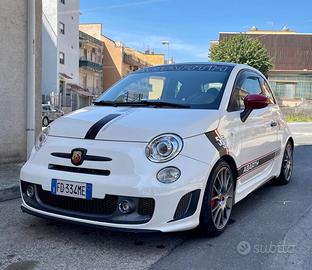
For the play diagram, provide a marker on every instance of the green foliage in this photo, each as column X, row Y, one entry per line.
column 242, row 49
column 298, row 118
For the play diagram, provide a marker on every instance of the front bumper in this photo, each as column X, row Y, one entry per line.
column 132, row 179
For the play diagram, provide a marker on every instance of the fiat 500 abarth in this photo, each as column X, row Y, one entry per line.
column 167, row 148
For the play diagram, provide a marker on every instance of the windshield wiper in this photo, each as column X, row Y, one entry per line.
column 108, row 103
column 140, row 103
column 162, row 104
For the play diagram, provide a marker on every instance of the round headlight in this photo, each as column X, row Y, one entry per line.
column 168, row 175
column 42, row 137
column 164, row 148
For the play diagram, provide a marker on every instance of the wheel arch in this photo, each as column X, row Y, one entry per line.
column 231, row 161
column 291, row 140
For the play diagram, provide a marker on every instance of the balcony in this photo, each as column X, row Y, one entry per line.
column 134, row 61
column 90, row 65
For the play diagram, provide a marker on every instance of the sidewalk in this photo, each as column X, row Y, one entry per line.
column 9, row 181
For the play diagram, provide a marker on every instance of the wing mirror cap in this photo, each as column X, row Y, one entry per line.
column 256, row 101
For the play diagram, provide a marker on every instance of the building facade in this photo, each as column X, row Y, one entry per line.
column 20, row 78
column 119, row 60
column 91, row 64
column 291, row 54
column 60, row 41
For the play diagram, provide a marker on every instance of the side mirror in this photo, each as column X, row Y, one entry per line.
column 256, row 102
column 252, row 102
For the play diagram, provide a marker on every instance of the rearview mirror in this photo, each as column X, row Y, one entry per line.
column 252, row 102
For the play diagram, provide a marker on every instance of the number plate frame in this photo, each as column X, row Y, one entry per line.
column 71, row 189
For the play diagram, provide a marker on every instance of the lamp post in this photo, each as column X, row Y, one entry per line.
column 166, row 43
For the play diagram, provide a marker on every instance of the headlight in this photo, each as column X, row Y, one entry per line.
column 164, row 148
column 42, row 138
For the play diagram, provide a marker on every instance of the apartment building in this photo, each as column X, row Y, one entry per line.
column 119, row 60
column 60, row 54
column 91, row 64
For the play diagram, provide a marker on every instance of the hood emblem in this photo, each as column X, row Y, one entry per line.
column 77, row 156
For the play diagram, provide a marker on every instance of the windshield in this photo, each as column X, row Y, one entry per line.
column 185, row 86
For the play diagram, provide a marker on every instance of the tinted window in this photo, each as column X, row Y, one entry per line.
column 267, row 91
column 247, row 83
column 197, row 86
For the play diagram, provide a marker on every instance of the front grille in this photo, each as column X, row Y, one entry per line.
column 78, row 170
column 105, row 206
column 146, row 206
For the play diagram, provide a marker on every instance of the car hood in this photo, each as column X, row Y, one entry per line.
column 135, row 124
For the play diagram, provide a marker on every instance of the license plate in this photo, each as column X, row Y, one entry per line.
column 71, row 189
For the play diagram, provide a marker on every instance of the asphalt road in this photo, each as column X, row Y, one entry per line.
column 271, row 229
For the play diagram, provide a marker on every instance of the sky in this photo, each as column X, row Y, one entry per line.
column 190, row 25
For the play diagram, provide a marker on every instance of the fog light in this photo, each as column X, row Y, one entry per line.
column 168, row 175
column 30, row 191
column 126, row 206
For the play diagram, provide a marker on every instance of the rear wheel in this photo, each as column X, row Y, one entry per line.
column 218, row 200
column 287, row 165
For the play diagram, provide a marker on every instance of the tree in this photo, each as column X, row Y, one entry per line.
column 242, row 49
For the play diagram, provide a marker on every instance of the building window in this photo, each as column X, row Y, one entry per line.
column 62, row 1
column 62, row 58
column 62, row 28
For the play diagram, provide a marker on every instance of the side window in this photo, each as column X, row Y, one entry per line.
column 267, row 91
column 247, row 83
column 250, row 86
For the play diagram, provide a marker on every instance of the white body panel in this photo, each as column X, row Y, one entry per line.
column 125, row 138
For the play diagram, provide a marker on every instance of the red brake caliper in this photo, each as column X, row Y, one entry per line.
column 212, row 201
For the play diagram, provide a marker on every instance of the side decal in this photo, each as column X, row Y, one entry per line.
column 256, row 163
column 94, row 130
column 218, row 141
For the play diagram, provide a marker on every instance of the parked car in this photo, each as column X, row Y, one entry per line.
column 167, row 148
column 49, row 114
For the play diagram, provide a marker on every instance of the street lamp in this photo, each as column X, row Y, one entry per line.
column 166, row 43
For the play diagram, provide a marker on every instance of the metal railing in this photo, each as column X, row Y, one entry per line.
column 90, row 65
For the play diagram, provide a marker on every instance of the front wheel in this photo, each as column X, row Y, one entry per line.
column 218, row 200
column 287, row 165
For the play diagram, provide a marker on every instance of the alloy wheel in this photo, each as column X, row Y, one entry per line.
column 222, row 198
column 288, row 162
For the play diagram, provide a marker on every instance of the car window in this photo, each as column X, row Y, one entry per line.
column 267, row 91
column 198, row 86
column 247, row 83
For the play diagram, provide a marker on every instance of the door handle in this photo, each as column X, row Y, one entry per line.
column 273, row 124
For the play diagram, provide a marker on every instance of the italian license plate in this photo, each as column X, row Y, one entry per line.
column 71, row 189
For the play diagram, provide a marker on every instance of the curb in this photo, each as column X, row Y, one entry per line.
column 9, row 192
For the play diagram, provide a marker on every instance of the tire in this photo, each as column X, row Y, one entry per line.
column 217, row 202
column 45, row 121
column 287, row 165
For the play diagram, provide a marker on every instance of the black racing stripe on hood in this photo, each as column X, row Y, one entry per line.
column 94, row 130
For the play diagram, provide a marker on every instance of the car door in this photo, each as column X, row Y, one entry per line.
column 258, row 134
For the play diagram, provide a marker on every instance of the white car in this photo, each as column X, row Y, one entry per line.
column 167, row 148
